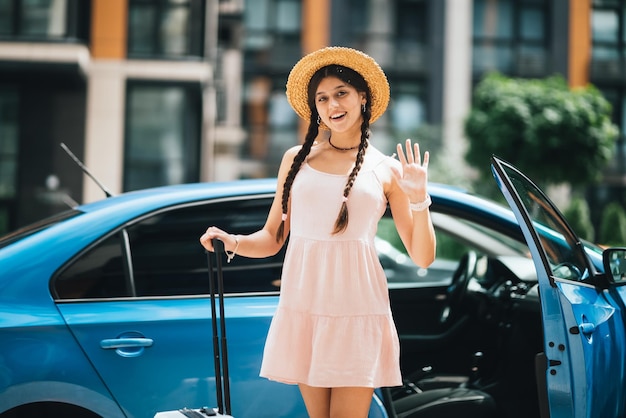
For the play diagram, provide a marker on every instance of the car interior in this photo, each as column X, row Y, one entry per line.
column 469, row 344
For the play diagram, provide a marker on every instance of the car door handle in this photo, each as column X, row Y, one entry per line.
column 587, row 328
column 116, row 343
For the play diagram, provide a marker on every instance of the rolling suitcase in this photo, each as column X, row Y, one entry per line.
column 220, row 349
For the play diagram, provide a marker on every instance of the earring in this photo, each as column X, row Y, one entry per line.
column 318, row 119
column 363, row 107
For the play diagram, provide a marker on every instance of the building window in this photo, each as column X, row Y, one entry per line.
column 411, row 35
column 9, row 139
column 44, row 19
column 166, row 28
column 271, row 47
column 608, row 28
column 608, row 73
column 608, row 57
column 271, row 124
column 272, row 35
column 510, row 36
column 162, row 135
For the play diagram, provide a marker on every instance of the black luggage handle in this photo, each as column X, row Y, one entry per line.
column 222, row 382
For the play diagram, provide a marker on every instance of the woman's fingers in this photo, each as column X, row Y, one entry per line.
column 411, row 154
column 211, row 233
column 416, row 151
column 401, row 156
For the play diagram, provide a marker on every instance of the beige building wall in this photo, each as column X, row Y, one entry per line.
column 108, row 72
column 457, row 79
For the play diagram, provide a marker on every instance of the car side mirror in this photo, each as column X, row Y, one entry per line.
column 614, row 261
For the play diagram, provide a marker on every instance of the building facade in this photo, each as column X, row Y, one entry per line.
column 156, row 92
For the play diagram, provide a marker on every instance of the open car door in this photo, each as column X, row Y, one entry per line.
column 584, row 355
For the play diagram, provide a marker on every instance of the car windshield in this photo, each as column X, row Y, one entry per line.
column 21, row 233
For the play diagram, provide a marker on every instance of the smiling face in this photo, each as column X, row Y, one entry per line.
column 339, row 104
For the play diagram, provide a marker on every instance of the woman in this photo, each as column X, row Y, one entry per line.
column 333, row 333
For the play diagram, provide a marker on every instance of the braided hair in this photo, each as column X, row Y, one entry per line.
column 353, row 78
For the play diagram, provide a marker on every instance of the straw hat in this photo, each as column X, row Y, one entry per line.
column 301, row 73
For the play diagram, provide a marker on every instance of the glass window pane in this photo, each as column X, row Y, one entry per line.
column 175, row 31
column 493, row 19
column 531, row 60
column 163, row 137
column 532, row 24
column 605, row 53
column 288, row 16
column 155, row 136
column 43, row 17
column 8, row 142
column 4, row 220
column 358, row 17
column 408, row 112
column 166, row 28
column 412, row 25
column 168, row 259
column 604, row 26
column 624, row 24
column 99, row 273
column 281, row 114
column 256, row 22
column 6, row 17
column 623, row 120
column 256, row 15
column 489, row 57
column 141, row 34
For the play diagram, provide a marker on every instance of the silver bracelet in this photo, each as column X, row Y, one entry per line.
column 231, row 254
column 420, row 206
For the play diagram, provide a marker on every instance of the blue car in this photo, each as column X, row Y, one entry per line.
column 105, row 310
column 581, row 372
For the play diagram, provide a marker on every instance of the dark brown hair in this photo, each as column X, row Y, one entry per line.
column 353, row 78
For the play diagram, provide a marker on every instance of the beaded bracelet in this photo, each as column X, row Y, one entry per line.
column 231, row 254
column 420, row 206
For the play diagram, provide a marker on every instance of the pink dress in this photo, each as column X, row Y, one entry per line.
column 333, row 326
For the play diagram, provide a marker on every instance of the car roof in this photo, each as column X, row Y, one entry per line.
column 109, row 213
column 145, row 200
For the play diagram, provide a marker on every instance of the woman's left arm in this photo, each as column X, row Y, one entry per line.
column 409, row 202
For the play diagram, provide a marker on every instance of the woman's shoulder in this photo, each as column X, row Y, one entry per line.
column 290, row 154
column 378, row 160
column 294, row 150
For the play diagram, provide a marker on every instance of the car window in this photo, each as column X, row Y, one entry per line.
column 33, row 228
column 562, row 248
column 160, row 255
column 455, row 237
column 401, row 270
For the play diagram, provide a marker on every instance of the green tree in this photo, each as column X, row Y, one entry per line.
column 613, row 225
column 578, row 216
column 551, row 132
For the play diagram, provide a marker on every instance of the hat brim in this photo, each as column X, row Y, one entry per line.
column 301, row 73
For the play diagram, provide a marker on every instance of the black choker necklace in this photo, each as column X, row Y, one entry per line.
column 342, row 149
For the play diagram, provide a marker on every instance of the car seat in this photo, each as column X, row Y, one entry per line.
column 441, row 403
column 428, row 395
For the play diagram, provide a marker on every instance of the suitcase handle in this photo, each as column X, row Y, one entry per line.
column 219, row 339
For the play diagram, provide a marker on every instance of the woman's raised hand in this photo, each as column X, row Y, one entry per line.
column 413, row 179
